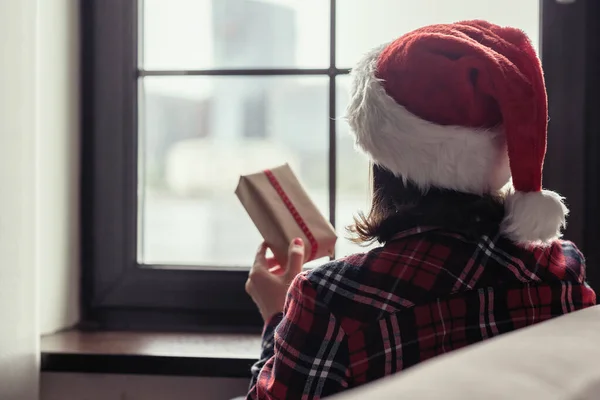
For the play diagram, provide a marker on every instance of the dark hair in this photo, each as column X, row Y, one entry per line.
column 398, row 204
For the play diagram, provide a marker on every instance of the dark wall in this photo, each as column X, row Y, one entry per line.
column 570, row 55
column 592, row 141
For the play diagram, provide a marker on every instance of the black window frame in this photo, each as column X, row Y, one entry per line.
column 117, row 294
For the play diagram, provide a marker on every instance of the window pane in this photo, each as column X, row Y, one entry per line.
column 385, row 20
column 198, row 135
column 353, row 184
column 204, row 34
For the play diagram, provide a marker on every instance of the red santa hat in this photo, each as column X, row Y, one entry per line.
column 461, row 106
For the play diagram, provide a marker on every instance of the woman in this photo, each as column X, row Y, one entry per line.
column 447, row 114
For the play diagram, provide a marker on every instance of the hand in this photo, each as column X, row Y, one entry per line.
column 268, row 282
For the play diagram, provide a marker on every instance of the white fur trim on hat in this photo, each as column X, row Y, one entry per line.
column 453, row 157
column 534, row 216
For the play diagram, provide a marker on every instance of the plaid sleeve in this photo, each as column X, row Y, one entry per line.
column 267, row 346
column 310, row 359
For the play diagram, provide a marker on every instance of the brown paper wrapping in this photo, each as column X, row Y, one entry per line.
column 275, row 219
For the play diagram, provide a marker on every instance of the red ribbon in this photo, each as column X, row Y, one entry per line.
column 288, row 203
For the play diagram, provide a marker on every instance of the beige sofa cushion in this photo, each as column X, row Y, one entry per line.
column 557, row 359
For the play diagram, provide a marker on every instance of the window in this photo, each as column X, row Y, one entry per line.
column 182, row 96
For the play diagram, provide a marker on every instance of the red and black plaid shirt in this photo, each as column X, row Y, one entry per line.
column 427, row 292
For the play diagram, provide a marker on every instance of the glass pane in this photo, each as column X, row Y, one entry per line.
column 385, row 20
column 205, row 34
column 198, row 135
column 353, row 184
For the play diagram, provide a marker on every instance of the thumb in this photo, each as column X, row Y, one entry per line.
column 295, row 258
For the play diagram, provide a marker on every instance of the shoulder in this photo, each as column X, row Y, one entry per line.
column 325, row 291
column 562, row 248
column 340, row 287
column 562, row 258
column 332, row 276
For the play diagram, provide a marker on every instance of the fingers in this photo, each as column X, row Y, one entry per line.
column 295, row 258
column 264, row 265
column 261, row 252
column 260, row 260
column 272, row 262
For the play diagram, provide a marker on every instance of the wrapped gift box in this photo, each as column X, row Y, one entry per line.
column 281, row 210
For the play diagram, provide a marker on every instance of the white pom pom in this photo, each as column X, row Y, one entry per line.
column 534, row 217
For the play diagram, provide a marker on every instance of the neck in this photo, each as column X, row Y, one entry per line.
column 465, row 213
